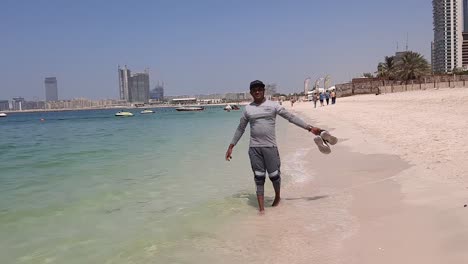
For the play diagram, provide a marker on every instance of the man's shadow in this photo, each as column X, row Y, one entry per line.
column 252, row 199
column 313, row 198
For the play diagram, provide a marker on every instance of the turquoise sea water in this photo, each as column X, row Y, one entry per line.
column 88, row 187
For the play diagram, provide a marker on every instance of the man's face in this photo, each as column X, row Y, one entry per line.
column 258, row 93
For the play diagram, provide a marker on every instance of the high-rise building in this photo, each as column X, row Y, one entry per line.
column 4, row 105
column 51, row 89
column 134, row 87
column 138, row 87
column 124, row 74
column 158, row 92
column 448, row 37
column 465, row 35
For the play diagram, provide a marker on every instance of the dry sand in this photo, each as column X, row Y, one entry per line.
column 392, row 191
column 417, row 216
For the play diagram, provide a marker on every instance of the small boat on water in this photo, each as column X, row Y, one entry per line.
column 3, row 115
column 229, row 107
column 147, row 111
column 123, row 113
column 190, row 108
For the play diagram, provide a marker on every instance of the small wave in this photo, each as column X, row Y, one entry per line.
column 294, row 166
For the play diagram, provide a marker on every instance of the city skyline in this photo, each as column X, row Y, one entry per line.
column 279, row 43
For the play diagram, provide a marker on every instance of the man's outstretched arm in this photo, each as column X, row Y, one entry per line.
column 297, row 121
column 239, row 132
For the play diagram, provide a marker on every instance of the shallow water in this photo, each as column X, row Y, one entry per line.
column 87, row 187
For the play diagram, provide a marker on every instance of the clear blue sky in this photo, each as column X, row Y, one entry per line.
column 200, row 46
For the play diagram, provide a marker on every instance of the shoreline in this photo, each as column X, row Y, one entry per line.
column 111, row 108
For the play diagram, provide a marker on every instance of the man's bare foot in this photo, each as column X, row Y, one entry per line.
column 276, row 201
column 261, row 212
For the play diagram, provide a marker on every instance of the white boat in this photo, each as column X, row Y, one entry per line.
column 190, row 108
column 147, row 111
column 3, row 115
column 123, row 114
column 229, row 107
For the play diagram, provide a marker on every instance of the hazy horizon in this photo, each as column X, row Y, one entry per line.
column 203, row 47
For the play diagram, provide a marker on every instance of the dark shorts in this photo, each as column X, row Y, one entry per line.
column 265, row 159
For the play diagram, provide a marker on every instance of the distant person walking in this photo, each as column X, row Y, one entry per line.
column 321, row 97
column 327, row 96
column 333, row 97
column 315, row 98
column 263, row 151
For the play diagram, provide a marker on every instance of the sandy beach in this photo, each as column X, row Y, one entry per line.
column 392, row 191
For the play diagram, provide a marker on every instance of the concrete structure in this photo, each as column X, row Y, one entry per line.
column 465, row 35
column 51, row 89
column 133, row 87
column 4, row 105
column 307, row 84
column 465, row 50
column 234, row 97
column 399, row 56
column 158, row 92
column 17, row 103
column 83, row 103
column 190, row 100
column 448, row 37
column 211, row 101
column 30, row 105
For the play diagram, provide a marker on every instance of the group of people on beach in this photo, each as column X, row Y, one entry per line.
column 324, row 97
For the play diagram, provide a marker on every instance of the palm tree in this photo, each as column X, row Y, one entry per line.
column 412, row 66
column 386, row 69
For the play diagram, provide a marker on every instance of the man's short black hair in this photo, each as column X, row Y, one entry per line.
column 256, row 84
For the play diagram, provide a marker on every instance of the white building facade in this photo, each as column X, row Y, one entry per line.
column 448, row 35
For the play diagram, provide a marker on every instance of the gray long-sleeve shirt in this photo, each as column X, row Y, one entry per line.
column 262, row 119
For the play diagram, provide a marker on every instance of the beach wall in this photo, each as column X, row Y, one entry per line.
column 374, row 86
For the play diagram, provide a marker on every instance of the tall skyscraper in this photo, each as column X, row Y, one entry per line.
column 465, row 35
column 138, row 87
column 124, row 74
column 134, row 87
column 448, row 35
column 51, row 89
column 465, row 15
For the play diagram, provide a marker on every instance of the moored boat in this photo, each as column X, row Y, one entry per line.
column 3, row 115
column 229, row 107
column 123, row 114
column 190, row 108
column 147, row 111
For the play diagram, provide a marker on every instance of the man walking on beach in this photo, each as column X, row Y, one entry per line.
column 315, row 99
column 263, row 151
column 333, row 97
